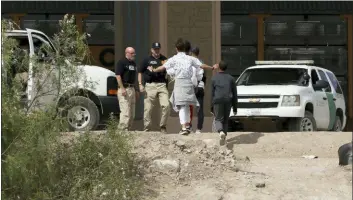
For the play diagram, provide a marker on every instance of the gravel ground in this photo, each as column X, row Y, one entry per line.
column 264, row 166
column 251, row 166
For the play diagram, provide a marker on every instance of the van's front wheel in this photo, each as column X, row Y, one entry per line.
column 82, row 114
column 304, row 124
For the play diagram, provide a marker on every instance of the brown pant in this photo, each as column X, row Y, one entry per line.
column 127, row 108
column 153, row 91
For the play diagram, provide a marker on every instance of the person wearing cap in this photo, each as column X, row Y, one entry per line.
column 154, row 84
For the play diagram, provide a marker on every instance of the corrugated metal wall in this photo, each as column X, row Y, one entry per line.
column 38, row 7
column 287, row 7
column 136, row 34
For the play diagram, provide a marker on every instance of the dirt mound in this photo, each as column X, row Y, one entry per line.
column 251, row 166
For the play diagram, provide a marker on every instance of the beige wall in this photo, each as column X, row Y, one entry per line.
column 195, row 21
column 198, row 22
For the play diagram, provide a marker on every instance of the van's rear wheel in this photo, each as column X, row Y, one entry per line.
column 82, row 114
column 304, row 124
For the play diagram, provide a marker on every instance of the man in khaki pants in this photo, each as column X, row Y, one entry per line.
column 125, row 72
column 156, row 87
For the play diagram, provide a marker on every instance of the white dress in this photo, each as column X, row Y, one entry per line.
column 181, row 67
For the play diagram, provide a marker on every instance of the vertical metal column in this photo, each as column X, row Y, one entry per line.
column 79, row 21
column 349, row 103
column 260, row 35
column 17, row 17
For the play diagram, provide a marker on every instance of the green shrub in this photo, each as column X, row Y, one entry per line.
column 37, row 160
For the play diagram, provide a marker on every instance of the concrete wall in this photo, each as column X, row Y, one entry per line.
column 194, row 21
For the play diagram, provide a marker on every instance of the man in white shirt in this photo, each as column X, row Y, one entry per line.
column 181, row 67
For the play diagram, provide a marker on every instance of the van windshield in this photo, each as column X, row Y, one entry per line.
column 273, row 76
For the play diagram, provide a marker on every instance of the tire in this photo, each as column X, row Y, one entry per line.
column 296, row 125
column 87, row 114
column 338, row 125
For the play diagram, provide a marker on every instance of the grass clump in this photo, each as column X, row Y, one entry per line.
column 38, row 161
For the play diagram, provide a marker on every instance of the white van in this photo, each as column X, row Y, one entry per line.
column 90, row 105
column 296, row 95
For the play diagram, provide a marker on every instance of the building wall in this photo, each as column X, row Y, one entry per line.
column 196, row 22
column 192, row 21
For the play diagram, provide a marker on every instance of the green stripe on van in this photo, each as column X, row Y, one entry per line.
column 332, row 109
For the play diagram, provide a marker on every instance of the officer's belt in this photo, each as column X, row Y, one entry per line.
column 128, row 85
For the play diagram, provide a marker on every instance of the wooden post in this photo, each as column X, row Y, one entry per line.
column 79, row 18
column 260, row 35
column 216, row 35
column 16, row 17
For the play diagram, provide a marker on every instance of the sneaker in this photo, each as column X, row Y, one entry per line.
column 146, row 130
column 184, row 132
column 222, row 139
column 163, row 130
column 198, row 131
column 189, row 128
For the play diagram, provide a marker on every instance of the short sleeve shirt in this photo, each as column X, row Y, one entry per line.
column 149, row 77
column 181, row 65
column 127, row 70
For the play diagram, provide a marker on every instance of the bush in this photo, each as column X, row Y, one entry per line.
column 37, row 161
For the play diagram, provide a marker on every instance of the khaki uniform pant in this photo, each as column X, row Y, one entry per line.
column 153, row 91
column 127, row 108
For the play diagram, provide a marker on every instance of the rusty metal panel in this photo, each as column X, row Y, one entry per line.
column 101, row 7
column 287, row 7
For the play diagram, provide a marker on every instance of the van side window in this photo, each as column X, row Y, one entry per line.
column 335, row 83
column 42, row 50
column 323, row 77
column 20, row 61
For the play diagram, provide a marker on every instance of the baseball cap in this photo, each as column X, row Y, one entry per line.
column 156, row 45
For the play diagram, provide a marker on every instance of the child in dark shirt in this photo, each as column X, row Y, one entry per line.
column 224, row 97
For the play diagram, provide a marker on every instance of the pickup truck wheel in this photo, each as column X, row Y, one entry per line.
column 82, row 114
column 304, row 124
column 338, row 125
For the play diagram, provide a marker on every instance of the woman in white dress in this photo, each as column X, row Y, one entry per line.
column 181, row 67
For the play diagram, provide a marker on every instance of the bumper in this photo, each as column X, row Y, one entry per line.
column 279, row 112
column 110, row 104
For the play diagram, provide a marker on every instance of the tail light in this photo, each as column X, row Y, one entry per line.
column 112, row 86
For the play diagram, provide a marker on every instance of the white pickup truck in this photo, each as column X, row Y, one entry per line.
column 90, row 105
column 295, row 95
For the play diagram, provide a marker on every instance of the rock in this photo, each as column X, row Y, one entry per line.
column 169, row 165
column 181, row 145
column 210, row 143
column 228, row 152
column 309, row 156
column 260, row 185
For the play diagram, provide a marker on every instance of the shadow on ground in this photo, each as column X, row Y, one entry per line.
column 248, row 138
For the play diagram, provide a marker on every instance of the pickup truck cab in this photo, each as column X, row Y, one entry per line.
column 89, row 105
column 296, row 95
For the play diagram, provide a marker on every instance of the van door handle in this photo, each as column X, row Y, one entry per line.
column 324, row 98
column 334, row 99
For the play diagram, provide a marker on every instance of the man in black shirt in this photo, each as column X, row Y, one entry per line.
column 126, row 74
column 156, row 87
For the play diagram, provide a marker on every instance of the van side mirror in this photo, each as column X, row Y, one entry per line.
column 321, row 84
